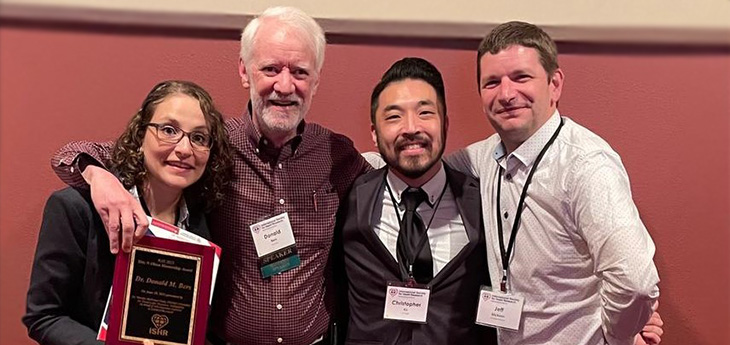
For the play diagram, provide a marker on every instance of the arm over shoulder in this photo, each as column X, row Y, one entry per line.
column 64, row 161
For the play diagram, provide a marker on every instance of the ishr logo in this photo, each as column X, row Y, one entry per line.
column 159, row 321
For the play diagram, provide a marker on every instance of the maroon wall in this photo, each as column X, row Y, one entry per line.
column 666, row 110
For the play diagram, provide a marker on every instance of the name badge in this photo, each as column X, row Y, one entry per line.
column 275, row 246
column 498, row 309
column 406, row 303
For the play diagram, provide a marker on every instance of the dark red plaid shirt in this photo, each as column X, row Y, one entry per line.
column 307, row 177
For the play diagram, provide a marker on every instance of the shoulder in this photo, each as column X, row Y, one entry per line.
column 233, row 123
column 458, row 176
column 71, row 198
column 487, row 145
column 370, row 175
column 329, row 147
column 581, row 141
column 585, row 154
column 475, row 159
column 319, row 134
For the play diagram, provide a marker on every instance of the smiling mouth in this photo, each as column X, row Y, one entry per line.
column 279, row 103
column 510, row 109
column 412, row 146
column 179, row 165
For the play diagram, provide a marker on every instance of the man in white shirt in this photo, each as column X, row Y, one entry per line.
column 414, row 226
column 562, row 229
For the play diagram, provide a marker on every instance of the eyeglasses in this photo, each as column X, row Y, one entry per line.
column 170, row 134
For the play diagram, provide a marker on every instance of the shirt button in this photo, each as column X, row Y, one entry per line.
column 506, row 215
column 281, row 166
column 257, row 150
column 509, row 177
column 279, row 306
column 279, row 340
column 281, row 201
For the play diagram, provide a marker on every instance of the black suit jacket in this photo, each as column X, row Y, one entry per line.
column 369, row 266
column 73, row 270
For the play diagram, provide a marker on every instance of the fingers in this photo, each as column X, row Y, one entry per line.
column 148, row 342
column 111, row 223
column 653, row 330
column 127, row 221
column 655, row 320
column 141, row 223
column 655, row 307
column 651, row 338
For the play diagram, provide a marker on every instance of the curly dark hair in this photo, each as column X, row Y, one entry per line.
column 128, row 162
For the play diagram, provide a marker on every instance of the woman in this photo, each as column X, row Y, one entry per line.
column 174, row 156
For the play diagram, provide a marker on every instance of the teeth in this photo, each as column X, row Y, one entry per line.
column 411, row 146
column 179, row 165
column 286, row 104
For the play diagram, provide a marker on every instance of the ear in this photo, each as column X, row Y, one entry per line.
column 242, row 73
column 446, row 126
column 556, row 87
column 315, row 84
column 374, row 135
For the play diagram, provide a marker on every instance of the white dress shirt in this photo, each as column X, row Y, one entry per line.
column 446, row 234
column 582, row 258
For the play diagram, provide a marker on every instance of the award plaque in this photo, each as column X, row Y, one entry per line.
column 161, row 292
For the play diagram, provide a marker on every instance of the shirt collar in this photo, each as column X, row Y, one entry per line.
column 183, row 221
column 433, row 187
column 528, row 151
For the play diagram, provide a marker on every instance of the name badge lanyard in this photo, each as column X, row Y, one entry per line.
column 424, row 239
column 506, row 254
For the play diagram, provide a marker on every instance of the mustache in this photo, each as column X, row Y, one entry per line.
column 419, row 139
column 277, row 98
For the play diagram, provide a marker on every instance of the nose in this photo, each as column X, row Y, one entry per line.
column 507, row 92
column 285, row 83
column 184, row 147
column 412, row 124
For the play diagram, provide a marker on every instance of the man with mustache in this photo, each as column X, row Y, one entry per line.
column 286, row 171
column 563, row 233
column 413, row 228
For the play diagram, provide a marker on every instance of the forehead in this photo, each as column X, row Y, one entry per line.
column 281, row 44
column 512, row 58
column 407, row 91
column 180, row 108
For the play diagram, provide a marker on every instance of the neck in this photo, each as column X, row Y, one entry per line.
column 162, row 202
column 419, row 181
column 512, row 141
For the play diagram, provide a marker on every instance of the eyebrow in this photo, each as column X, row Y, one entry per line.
column 176, row 123
column 392, row 107
column 426, row 102
column 421, row 103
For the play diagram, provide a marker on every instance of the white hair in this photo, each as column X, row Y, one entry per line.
column 293, row 18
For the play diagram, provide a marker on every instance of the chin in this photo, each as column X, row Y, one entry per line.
column 413, row 167
column 179, row 183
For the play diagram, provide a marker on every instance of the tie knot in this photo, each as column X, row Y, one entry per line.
column 412, row 197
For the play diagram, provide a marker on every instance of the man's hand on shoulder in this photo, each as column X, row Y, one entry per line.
column 124, row 219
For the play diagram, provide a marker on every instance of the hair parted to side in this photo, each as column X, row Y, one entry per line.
column 523, row 34
column 410, row 68
column 128, row 161
column 293, row 18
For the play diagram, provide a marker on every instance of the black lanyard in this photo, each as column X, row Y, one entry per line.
column 423, row 240
column 520, row 207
